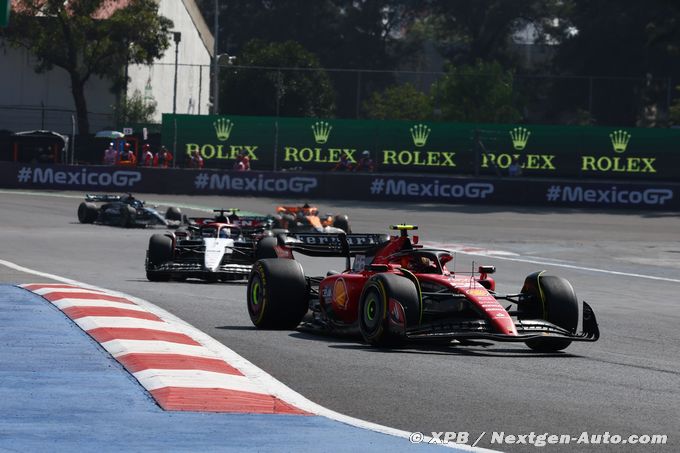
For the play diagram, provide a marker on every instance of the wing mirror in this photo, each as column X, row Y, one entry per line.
column 484, row 270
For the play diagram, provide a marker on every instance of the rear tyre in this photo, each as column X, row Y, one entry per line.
column 374, row 308
column 173, row 213
column 160, row 251
column 265, row 248
column 278, row 296
column 87, row 212
column 342, row 222
column 554, row 300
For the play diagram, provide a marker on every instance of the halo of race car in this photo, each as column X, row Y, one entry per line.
column 392, row 290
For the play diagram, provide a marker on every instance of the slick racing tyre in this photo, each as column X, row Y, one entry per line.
column 554, row 300
column 342, row 222
column 173, row 213
column 87, row 212
column 127, row 216
column 278, row 296
column 160, row 251
column 265, row 248
column 374, row 306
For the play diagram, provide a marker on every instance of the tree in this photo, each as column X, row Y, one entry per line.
column 482, row 92
column 466, row 31
column 399, row 102
column 632, row 46
column 78, row 37
column 135, row 109
column 345, row 34
column 256, row 86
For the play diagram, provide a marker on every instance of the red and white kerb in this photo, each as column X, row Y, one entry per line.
column 178, row 371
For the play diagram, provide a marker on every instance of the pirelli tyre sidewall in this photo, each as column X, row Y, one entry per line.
column 555, row 301
column 277, row 294
column 374, row 306
column 127, row 216
column 342, row 222
column 173, row 213
column 160, row 251
column 87, row 212
column 266, row 248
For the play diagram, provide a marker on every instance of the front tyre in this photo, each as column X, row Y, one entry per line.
column 552, row 299
column 278, row 296
column 374, row 314
column 160, row 251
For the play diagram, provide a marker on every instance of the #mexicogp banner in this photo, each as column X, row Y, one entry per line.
column 298, row 187
column 312, row 144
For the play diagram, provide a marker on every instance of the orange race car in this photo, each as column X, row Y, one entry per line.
column 306, row 219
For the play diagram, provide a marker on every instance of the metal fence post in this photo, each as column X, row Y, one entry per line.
column 358, row 93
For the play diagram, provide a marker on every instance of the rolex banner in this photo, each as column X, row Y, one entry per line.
column 311, row 144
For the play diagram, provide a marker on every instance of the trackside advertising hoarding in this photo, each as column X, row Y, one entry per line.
column 310, row 144
column 306, row 186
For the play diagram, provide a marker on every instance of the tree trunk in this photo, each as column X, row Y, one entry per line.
column 78, row 91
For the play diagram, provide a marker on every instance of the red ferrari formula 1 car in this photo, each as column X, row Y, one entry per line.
column 397, row 290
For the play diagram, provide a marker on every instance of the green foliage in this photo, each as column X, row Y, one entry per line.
column 674, row 113
column 399, row 102
column 482, row 93
column 466, row 30
column 340, row 33
column 71, row 35
column 134, row 110
column 257, row 87
column 619, row 40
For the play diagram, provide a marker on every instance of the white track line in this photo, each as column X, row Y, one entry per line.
column 261, row 377
column 575, row 267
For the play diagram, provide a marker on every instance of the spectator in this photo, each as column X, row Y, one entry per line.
column 343, row 164
column 515, row 168
column 242, row 162
column 110, row 155
column 163, row 158
column 365, row 162
column 196, row 161
column 127, row 157
column 147, row 156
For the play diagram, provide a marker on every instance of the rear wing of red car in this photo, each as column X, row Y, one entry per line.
column 340, row 244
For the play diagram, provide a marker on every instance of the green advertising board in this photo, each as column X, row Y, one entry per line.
column 220, row 140
column 5, row 6
column 428, row 147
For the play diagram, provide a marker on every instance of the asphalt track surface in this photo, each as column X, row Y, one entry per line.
column 625, row 264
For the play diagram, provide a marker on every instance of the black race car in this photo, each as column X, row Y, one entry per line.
column 125, row 211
